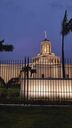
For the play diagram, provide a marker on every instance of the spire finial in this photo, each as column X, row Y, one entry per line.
column 45, row 34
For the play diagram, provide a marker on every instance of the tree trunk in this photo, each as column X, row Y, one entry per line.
column 63, row 59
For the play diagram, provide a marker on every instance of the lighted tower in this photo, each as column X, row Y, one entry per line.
column 46, row 56
column 45, row 46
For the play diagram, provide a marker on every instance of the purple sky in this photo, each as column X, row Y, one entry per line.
column 23, row 22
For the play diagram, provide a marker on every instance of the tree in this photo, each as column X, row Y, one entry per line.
column 3, row 89
column 26, row 69
column 66, row 28
column 2, row 82
column 5, row 47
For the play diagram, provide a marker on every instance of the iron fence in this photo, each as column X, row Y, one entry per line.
column 29, row 82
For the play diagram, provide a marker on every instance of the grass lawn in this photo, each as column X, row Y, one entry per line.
column 35, row 117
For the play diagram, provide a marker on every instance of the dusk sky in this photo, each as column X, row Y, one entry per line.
column 23, row 22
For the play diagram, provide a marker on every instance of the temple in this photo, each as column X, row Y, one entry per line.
column 46, row 62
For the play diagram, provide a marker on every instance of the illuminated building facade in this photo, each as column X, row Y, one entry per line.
column 46, row 56
column 46, row 63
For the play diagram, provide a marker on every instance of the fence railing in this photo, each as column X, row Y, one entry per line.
column 29, row 82
column 12, row 69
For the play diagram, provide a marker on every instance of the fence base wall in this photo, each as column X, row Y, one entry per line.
column 46, row 89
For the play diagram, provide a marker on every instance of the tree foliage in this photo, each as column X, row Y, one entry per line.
column 5, row 47
column 66, row 28
column 66, row 25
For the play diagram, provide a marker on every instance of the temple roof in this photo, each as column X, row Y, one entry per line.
column 45, row 39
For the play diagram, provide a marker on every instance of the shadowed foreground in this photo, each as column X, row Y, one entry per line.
column 35, row 117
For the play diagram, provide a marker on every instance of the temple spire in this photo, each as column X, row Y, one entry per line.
column 45, row 34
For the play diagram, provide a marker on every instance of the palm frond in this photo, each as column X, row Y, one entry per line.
column 69, row 25
column 64, row 30
column 8, row 48
column 1, row 41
